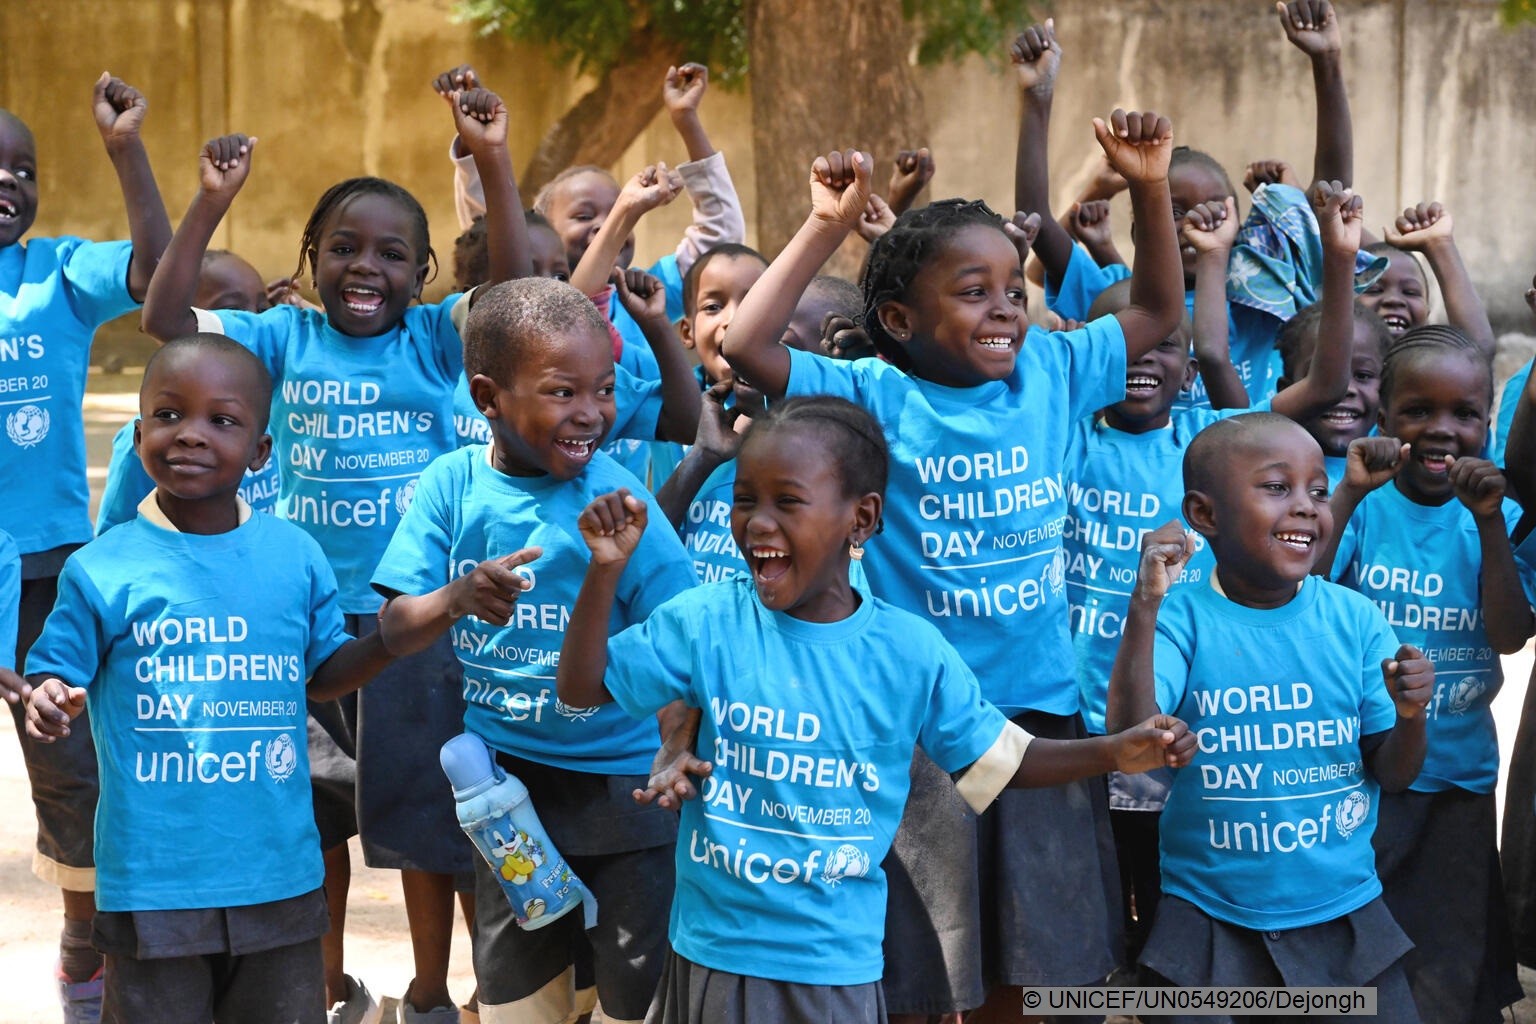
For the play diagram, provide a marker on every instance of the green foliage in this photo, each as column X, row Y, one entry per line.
column 593, row 34
column 1517, row 12
column 951, row 29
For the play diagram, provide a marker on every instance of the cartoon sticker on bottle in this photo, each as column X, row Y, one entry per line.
column 519, row 858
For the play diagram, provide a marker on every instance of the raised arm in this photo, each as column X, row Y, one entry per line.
column 1212, row 228
column 1426, row 228
column 910, row 174
column 1132, row 683
column 645, row 297
column 1507, row 618
column 119, row 110
column 1312, row 26
column 1036, row 57
column 839, row 194
column 716, row 443
column 1370, row 463
column 481, row 120
column 1340, row 214
column 224, row 164
column 651, row 188
column 612, row 526
column 411, row 623
column 1139, row 146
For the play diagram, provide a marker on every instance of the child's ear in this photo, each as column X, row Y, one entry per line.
column 1200, row 513
column 896, row 320
column 483, row 391
column 1191, row 371
column 138, row 426
column 685, row 330
column 263, row 453
column 421, row 280
column 866, row 518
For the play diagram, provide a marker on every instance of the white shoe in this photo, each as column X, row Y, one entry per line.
column 407, row 1014
column 358, row 1008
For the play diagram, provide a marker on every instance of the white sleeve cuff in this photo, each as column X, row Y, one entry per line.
column 993, row 770
column 208, row 321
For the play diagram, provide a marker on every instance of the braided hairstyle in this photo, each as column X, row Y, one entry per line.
column 1426, row 342
column 900, row 254
column 853, row 439
column 336, row 199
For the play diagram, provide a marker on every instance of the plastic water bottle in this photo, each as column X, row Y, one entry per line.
column 495, row 813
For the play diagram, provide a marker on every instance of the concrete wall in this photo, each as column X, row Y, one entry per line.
column 1444, row 107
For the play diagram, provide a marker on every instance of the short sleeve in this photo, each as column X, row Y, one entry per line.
column 660, row 570
column 127, row 483
column 416, row 560
column 1084, row 279
column 637, row 406
column 1096, row 364
column 327, row 626
column 10, row 600
column 73, row 642
column 265, row 333
column 1509, row 398
column 1170, row 669
column 1342, row 570
column 811, row 374
column 96, row 280
column 650, row 664
column 440, row 322
column 959, row 726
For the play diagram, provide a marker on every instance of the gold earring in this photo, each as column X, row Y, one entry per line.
column 856, row 551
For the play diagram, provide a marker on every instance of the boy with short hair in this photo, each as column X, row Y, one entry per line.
column 489, row 551
column 1268, row 873
column 208, row 862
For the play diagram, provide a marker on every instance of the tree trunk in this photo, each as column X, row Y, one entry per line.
column 826, row 75
column 600, row 126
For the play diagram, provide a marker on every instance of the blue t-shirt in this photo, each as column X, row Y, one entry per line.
column 810, row 727
column 54, row 293
column 706, row 530
column 1250, row 334
column 1269, row 827
column 1423, row 565
column 1508, row 399
column 354, row 423
column 636, row 402
column 1120, row 487
column 975, row 506
column 127, row 483
column 195, row 650
column 465, row 512
column 10, row 599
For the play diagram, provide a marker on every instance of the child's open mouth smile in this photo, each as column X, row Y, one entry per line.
column 769, row 564
column 1296, row 540
column 362, row 300
column 577, row 449
column 1141, row 385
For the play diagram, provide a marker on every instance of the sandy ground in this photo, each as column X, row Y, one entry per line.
column 378, row 942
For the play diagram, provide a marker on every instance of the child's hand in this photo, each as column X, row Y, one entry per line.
column 720, row 429
column 1478, row 484
column 52, row 707
column 225, row 163
column 1410, row 679
column 1163, row 554
column 1372, row 461
column 119, row 109
column 1211, row 227
column 1137, row 144
column 1340, row 214
column 643, row 295
column 1311, row 26
column 910, row 174
column 459, row 79
column 669, row 785
column 1419, row 227
column 1089, row 223
column 877, row 219
column 840, row 187
column 684, row 88
column 612, row 526
column 1106, row 181
column 1036, row 57
column 1162, row 741
column 841, row 338
column 13, row 687
column 283, row 291
column 490, row 589
column 653, row 187
column 1269, row 172
column 1022, row 230
column 480, row 117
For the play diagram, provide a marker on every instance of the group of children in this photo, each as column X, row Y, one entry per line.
column 952, row 655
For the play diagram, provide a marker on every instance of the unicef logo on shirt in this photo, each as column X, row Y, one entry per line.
column 282, row 758
column 27, row 425
column 1351, row 812
column 847, row 861
column 1464, row 694
column 1054, row 574
column 404, row 496
column 564, row 710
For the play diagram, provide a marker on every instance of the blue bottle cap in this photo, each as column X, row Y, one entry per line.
column 467, row 761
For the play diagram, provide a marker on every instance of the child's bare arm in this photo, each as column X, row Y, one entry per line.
column 716, row 443
column 481, row 120
column 1520, row 446
column 1410, row 679
column 1340, row 214
column 410, row 623
column 652, row 187
column 14, row 688
column 1507, row 618
column 1313, row 27
column 119, row 110
column 681, row 94
column 911, row 173
column 839, row 194
column 1370, row 463
column 1161, row 741
column 1212, row 228
column 1088, row 222
column 612, row 526
column 353, row 664
column 645, row 297
column 1426, row 228
column 52, row 706
column 224, row 164
column 1139, row 146
column 1132, row 684
column 1036, row 57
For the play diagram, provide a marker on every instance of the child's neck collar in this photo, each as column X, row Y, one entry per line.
column 1216, row 583
column 150, row 509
